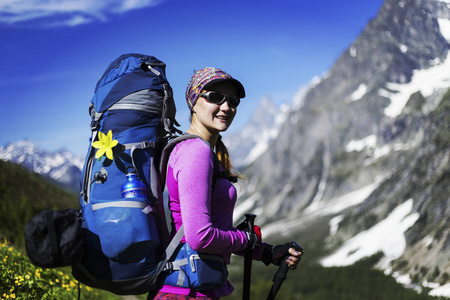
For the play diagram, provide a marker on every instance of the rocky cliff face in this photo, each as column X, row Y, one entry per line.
column 371, row 136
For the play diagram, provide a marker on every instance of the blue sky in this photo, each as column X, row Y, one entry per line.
column 53, row 52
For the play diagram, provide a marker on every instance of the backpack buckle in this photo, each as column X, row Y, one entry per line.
column 147, row 144
column 95, row 120
column 95, row 125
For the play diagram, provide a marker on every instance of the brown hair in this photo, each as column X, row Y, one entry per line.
column 224, row 159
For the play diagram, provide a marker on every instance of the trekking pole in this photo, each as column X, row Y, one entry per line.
column 281, row 274
column 250, row 221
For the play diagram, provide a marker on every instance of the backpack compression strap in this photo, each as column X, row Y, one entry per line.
column 86, row 188
column 166, row 265
column 170, row 250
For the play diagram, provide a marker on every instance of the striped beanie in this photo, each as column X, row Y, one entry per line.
column 205, row 77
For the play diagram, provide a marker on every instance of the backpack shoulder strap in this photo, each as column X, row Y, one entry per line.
column 163, row 172
column 166, row 153
column 217, row 173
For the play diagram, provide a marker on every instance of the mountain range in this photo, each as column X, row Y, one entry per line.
column 358, row 163
column 363, row 156
column 62, row 166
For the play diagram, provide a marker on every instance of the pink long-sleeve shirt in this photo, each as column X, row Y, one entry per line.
column 207, row 217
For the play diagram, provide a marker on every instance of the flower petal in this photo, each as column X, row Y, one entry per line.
column 101, row 137
column 109, row 153
column 100, row 152
column 97, row 144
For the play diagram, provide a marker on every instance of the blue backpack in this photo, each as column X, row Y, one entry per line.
column 125, row 239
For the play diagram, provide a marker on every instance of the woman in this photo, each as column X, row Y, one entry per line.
column 205, row 211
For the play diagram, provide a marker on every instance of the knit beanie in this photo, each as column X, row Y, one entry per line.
column 206, row 77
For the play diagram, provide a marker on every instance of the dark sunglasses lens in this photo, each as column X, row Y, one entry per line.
column 216, row 98
column 234, row 101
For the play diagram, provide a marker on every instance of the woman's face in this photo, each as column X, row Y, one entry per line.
column 212, row 116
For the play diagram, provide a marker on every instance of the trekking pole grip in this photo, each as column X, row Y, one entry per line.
column 250, row 221
column 281, row 273
column 278, row 279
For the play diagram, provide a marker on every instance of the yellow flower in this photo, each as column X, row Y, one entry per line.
column 105, row 145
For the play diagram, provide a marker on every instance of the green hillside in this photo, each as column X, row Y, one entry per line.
column 24, row 194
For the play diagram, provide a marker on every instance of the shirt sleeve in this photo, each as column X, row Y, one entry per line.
column 193, row 169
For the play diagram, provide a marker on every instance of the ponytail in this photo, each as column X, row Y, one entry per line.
column 224, row 159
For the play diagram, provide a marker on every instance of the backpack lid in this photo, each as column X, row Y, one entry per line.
column 128, row 74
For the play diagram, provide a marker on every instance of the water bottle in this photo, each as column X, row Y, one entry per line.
column 133, row 187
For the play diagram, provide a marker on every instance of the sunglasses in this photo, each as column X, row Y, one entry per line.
column 218, row 98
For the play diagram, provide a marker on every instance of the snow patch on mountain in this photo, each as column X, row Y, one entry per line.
column 358, row 93
column 443, row 291
column 403, row 48
column 359, row 145
column 387, row 236
column 427, row 81
column 444, row 26
column 339, row 204
column 331, row 207
column 334, row 224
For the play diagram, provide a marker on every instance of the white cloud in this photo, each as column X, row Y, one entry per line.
column 66, row 12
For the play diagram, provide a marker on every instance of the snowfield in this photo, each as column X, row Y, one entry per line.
column 387, row 236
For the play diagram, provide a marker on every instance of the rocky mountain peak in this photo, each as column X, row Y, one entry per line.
column 354, row 149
